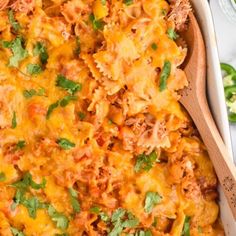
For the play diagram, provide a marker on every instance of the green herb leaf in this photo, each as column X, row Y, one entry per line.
column 154, row 224
column 118, row 214
column 165, row 73
column 96, row 210
column 145, row 162
column 81, row 115
column 151, row 200
column 65, row 101
column 32, row 204
column 70, row 86
column 19, row 53
column 2, row 176
column 186, row 228
column 130, row 223
column 154, row 46
column 51, row 108
column 41, row 50
column 61, row 220
column 97, row 24
column 65, row 143
column 34, row 69
column 16, row 232
column 29, row 93
column 20, row 144
column 15, row 24
column 172, row 34
column 128, row 2
column 14, row 122
column 74, row 200
column 143, row 233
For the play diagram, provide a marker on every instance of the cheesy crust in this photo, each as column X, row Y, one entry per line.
column 93, row 140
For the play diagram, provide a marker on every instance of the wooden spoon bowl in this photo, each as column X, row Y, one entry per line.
column 195, row 102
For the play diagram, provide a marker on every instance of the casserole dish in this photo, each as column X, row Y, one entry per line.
column 215, row 94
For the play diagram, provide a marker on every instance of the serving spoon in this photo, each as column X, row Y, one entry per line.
column 195, row 102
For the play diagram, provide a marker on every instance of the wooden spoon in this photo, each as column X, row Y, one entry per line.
column 195, row 102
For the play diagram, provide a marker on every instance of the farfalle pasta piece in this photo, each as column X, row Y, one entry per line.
column 25, row 6
column 3, row 4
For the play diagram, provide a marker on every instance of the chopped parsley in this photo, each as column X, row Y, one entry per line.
column 70, row 86
column 81, row 115
column 65, row 101
column 19, row 53
column 32, row 92
column 165, row 73
column 41, row 51
column 16, row 232
column 97, row 24
column 20, row 144
column 96, row 210
column 65, row 143
column 34, row 69
column 51, row 108
column 74, row 200
column 14, row 121
column 15, row 24
column 151, row 200
column 145, row 162
column 186, row 227
column 128, row 2
column 172, row 34
column 154, row 46
column 2, row 176
column 58, row 218
column 122, row 219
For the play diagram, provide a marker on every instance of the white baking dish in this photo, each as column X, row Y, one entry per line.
column 215, row 94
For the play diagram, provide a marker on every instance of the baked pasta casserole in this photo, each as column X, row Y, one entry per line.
column 93, row 140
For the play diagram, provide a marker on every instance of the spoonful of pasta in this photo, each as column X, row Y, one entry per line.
column 195, row 102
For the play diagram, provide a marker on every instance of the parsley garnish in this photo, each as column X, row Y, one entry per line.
column 19, row 53
column 74, row 200
column 16, row 232
column 13, row 121
column 96, row 210
column 61, row 220
column 122, row 219
column 145, row 162
column 97, row 24
column 128, row 2
column 65, row 143
column 151, row 200
column 34, row 69
column 2, row 176
column 70, row 86
column 154, row 46
column 186, row 228
column 165, row 73
column 142, row 233
column 81, row 115
column 15, row 24
column 41, row 50
column 172, row 34
column 32, row 92
column 65, row 101
column 20, row 144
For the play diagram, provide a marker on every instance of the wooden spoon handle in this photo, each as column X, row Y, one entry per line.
column 220, row 157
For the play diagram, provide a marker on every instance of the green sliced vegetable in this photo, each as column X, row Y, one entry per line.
column 145, row 162
column 14, row 122
column 41, row 51
column 232, row 117
column 74, row 200
column 32, row 92
column 97, row 24
column 165, row 73
column 2, row 176
column 14, row 23
column 172, row 34
column 230, row 91
column 51, row 108
column 151, row 200
column 34, row 69
column 65, row 101
column 186, row 227
column 65, row 143
column 70, row 86
column 227, row 68
column 16, row 232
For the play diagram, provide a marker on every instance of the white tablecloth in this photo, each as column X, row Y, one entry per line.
column 226, row 40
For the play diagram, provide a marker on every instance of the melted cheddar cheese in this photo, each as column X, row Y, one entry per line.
column 93, row 140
